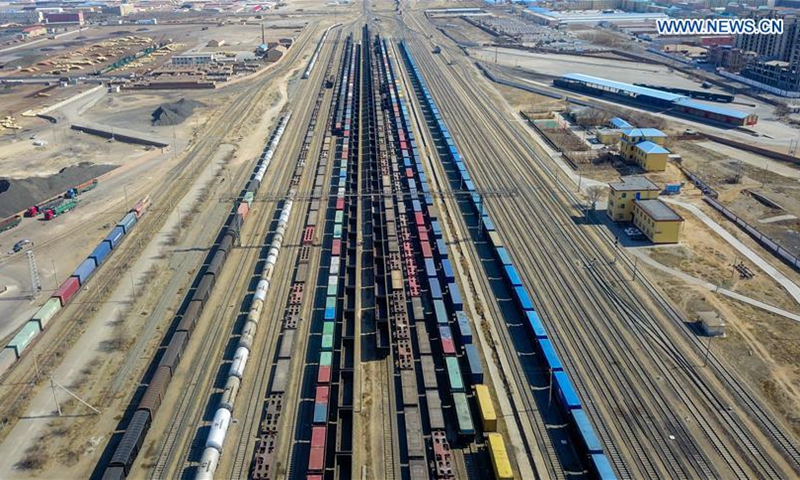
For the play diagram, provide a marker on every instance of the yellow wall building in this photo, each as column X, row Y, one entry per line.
column 622, row 194
column 645, row 147
column 657, row 221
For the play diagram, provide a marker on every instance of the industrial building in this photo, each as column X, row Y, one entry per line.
column 193, row 59
column 64, row 18
column 659, row 222
column 644, row 146
column 551, row 18
column 664, row 102
column 622, row 195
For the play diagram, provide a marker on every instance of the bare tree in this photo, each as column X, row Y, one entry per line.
column 594, row 193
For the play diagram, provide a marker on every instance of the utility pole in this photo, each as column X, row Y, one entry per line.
column 708, row 350
column 54, row 384
column 36, row 284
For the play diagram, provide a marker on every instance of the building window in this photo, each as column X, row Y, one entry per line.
column 624, row 195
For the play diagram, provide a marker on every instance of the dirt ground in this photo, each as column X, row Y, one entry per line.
column 719, row 168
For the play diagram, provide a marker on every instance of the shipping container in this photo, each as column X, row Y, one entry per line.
column 454, row 374
column 464, row 330
column 47, row 312
column 486, row 408
column 128, row 221
column 115, row 236
column 84, row 271
column 502, row 254
column 441, row 312
column 523, row 298
column 24, row 337
column 474, row 362
column 100, row 252
column 436, row 289
column 67, row 290
column 499, row 456
column 446, row 339
column 463, row 414
column 7, row 358
column 455, row 296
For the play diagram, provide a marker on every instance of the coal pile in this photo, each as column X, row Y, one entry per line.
column 174, row 113
column 19, row 194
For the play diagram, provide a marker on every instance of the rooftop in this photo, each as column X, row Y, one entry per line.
column 643, row 132
column 658, row 211
column 634, row 183
column 687, row 102
column 620, row 123
column 625, row 87
column 650, row 147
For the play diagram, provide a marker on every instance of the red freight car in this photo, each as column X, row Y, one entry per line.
column 67, row 290
column 316, row 457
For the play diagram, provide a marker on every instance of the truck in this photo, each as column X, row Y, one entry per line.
column 64, row 207
column 9, row 223
column 82, row 188
column 35, row 210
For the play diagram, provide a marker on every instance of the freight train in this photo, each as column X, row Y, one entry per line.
column 569, row 401
column 15, row 348
column 132, row 440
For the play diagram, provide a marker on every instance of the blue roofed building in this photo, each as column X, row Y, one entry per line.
column 661, row 101
column 644, row 146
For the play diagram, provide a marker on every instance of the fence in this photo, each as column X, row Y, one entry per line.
column 764, row 240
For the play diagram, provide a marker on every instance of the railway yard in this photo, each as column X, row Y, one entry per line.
column 361, row 261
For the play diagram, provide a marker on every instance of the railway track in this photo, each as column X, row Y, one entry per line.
column 188, row 454
column 550, row 198
column 71, row 324
column 527, row 414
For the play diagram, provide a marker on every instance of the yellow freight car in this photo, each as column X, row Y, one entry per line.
column 500, row 463
column 488, row 415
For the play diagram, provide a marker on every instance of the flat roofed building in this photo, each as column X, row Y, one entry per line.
column 193, row 59
column 657, row 221
column 622, row 195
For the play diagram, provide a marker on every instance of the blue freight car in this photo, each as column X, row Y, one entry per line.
column 503, row 256
column 536, row 325
column 441, row 312
column 447, row 270
column 127, row 222
column 464, row 330
column 566, row 392
column 455, row 296
column 84, row 271
column 523, row 298
column 115, row 236
column 474, row 362
column 436, row 289
column 550, row 356
column 441, row 246
column 585, row 432
column 100, row 252
column 512, row 276
column 430, row 268
column 602, row 467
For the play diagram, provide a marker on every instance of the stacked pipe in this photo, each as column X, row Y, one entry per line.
column 219, row 428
